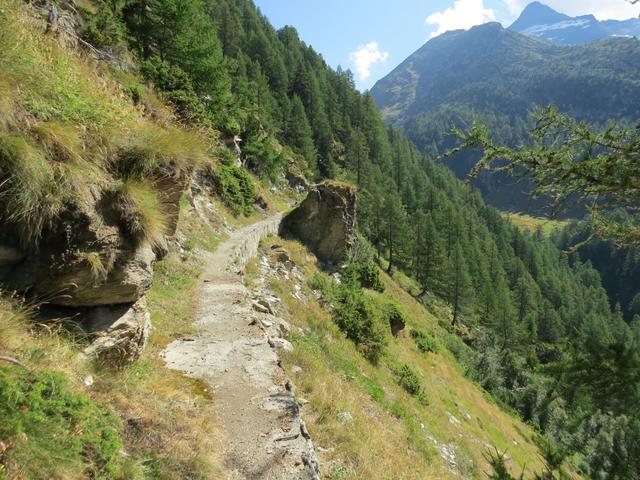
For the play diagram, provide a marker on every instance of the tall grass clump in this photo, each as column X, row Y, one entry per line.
column 151, row 148
column 32, row 191
column 140, row 211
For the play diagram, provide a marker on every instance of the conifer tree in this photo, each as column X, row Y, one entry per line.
column 298, row 133
column 460, row 294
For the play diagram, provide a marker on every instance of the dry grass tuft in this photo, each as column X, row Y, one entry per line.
column 61, row 141
column 141, row 211
column 32, row 190
column 99, row 271
column 151, row 148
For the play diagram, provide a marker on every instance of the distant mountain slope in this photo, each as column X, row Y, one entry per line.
column 543, row 22
column 499, row 75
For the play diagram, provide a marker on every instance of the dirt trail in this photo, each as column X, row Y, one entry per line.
column 263, row 434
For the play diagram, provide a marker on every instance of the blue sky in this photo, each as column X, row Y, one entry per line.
column 371, row 37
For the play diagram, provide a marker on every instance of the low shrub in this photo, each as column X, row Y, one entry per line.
column 425, row 342
column 358, row 317
column 370, row 276
column 409, row 380
column 47, row 431
column 356, row 314
column 236, row 188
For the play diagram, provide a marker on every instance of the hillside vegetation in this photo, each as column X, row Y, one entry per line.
column 412, row 414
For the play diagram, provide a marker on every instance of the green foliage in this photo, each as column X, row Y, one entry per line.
column 369, row 274
column 102, row 28
column 524, row 309
column 409, row 380
column 355, row 313
column 425, row 342
column 572, row 159
column 51, row 432
column 236, row 188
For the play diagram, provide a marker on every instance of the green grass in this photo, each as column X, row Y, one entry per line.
column 141, row 211
column 69, row 126
column 33, row 188
column 533, row 224
column 51, row 432
column 163, row 420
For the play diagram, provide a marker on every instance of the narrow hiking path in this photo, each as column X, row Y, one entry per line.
column 263, row 434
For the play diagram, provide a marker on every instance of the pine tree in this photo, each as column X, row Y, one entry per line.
column 298, row 133
column 460, row 294
column 395, row 227
column 429, row 256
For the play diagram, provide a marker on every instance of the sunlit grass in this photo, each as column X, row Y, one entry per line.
column 395, row 434
column 533, row 224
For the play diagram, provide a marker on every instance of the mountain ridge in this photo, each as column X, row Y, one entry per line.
column 499, row 76
column 541, row 21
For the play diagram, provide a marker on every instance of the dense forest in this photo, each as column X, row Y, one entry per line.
column 541, row 334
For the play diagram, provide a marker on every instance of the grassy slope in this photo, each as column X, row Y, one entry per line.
column 393, row 434
column 168, row 427
column 532, row 224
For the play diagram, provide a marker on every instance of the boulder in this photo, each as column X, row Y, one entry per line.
column 121, row 332
column 87, row 258
column 325, row 221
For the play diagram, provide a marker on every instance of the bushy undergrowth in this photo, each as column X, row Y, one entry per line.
column 236, row 188
column 425, row 342
column 409, row 380
column 47, row 431
column 358, row 315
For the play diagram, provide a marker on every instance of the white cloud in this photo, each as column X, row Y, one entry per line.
column 602, row 9
column 463, row 14
column 365, row 57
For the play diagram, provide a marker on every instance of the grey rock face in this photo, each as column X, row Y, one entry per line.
column 325, row 221
column 121, row 332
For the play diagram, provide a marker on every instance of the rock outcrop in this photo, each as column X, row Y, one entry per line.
column 325, row 221
column 86, row 259
column 90, row 261
column 121, row 332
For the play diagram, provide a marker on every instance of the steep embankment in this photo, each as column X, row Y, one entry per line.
column 234, row 351
column 363, row 417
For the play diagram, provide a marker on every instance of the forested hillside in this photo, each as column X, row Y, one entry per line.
column 498, row 76
column 618, row 265
column 539, row 333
